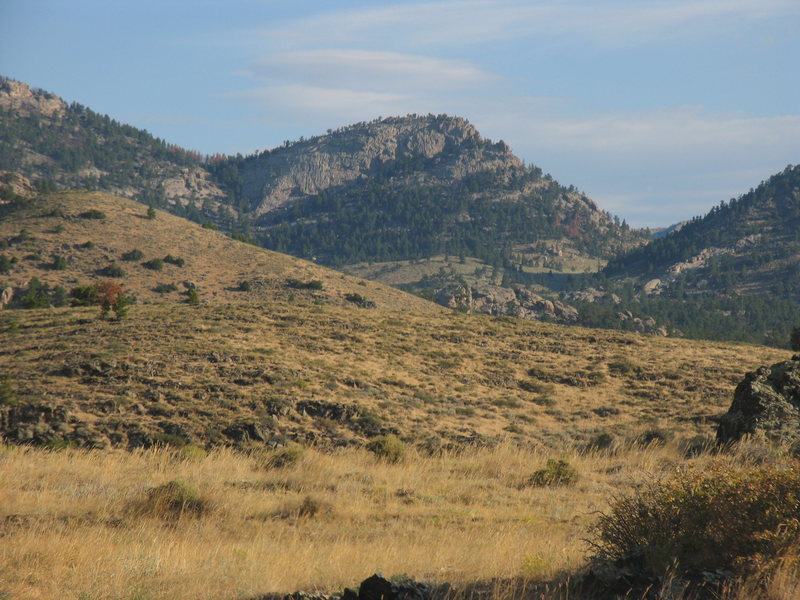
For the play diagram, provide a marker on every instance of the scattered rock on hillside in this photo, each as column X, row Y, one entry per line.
column 766, row 403
column 502, row 301
column 376, row 587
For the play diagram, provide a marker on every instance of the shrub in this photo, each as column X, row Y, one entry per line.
column 717, row 520
column 37, row 295
column 193, row 296
column 151, row 213
column 110, row 296
column 359, row 300
column 60, row 297
column 165, row 288
column 84, row 295
column 555, row 472
column 209, row 225
column 86, row 245
column 172, row 500
column 5, row 264
column 174, row 260
column 156, row 264
column 133, row 255
column 59, row 263
column 388, row 447
column 113, row 270
column 283, row 457
column 245, row 285
column 296, row 284
column 93, row 214
column 192, row 452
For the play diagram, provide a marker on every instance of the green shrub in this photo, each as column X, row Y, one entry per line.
column 133, row 255
column 209, row 225
column 84, row 295
column 283, row 457
column 5, row 264
column 555, row 472
column 174, row 260
column 245, row 285
column 60, row 296
column 59, row 263
column 621, row 367
column 296, row 284
column 717, row 520
column 193, row 296
column 165, row 288
column 172, row 500
column 388, row 447
column 93, row 214
column 86, row 245
column 359, row 300
column 151, row 213
column 37, row 294
column 192, row 452
column 113, row 270
column 156, row 264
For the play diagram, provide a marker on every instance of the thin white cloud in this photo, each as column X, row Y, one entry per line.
column 465, row 22
column 369, row 70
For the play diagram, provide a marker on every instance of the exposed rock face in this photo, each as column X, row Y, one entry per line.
column 19, row 185
column 18, row 96
column 449, row 147
column 502, row 301
column 766, row 403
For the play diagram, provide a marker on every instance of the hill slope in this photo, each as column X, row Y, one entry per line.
column 411, row 187
column 749, row 245
column 71, row 146
column 52, row 238
column 266, row 373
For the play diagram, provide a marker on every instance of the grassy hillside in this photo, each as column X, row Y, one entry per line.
column 35, row 233
column 256, row 373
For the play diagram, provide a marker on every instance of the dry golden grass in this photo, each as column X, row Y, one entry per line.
column 69, row 523
column 214, row 262
column 339, row 375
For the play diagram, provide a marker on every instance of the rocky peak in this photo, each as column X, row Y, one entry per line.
column 409, row 149
column 19, row 97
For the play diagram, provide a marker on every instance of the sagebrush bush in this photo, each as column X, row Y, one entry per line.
column 173, row 500
column 283, row 457
column 721, row 519
column 388, row 447
column 556, row 472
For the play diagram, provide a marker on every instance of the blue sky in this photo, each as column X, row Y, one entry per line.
column 657, row 109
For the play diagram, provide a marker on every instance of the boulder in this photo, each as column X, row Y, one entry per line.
column 6, row 295
column 766, row 404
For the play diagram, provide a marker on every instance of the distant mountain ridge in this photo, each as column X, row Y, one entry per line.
column 750, row 245
column 394, row 188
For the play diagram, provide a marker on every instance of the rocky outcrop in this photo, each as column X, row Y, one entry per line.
column 765, row 404
column 505, row 301
column 449, row 148
column 19, row 97
column 376, row 587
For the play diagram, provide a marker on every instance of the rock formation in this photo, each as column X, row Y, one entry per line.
column 766, row 403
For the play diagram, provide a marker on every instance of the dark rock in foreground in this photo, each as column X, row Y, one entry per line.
column 376, row 587
column 766, row 403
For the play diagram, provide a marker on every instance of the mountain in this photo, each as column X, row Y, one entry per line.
column 732, row 274
column 747, row 246
column 70, row 146
column 66, row 240
column 392, row 189
column 412, row 187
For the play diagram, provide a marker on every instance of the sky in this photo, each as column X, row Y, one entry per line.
column 657, row 109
